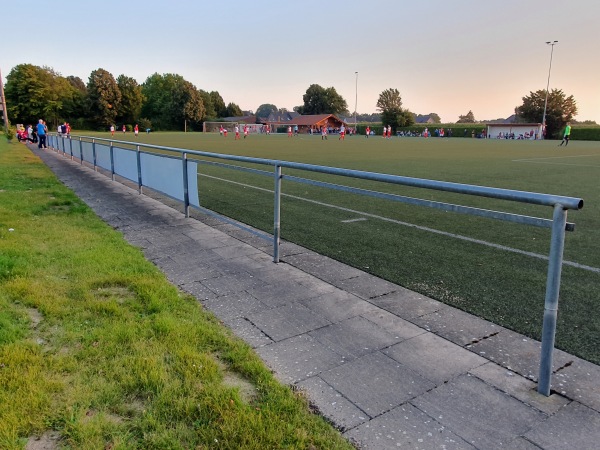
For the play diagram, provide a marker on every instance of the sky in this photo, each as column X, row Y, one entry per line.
column 446, row 57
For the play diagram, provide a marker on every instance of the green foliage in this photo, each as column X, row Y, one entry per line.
column 104, row 97
column 588, row 133
column 318, row 100
column 234, row 110
column 265, row 110
column 34, row 92
column 170, row 101
column 392, row 113
column 218, row 104
column 131, row 99
column 467, row 118
column 209, row 108
column 560, row 109
column 10, row 133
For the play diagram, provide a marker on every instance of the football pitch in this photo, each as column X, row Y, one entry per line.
column 494, row 269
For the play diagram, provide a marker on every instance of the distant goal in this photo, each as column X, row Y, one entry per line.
column 215, row 127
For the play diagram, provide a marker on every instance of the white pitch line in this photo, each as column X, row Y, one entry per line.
column 555, row 164
column 418, row 227
column 554, row 157
column 360, row 219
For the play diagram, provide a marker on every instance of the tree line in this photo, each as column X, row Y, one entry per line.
column 167, row 101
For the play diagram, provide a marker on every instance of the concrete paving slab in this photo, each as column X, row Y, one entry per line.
column 579, row 381
column 286, row 321
column 376, row 383
column 519, row 387
column 354, row 337
column 284, row 292
column 405, row 427
column 245, row 330
column 198, row 290
column 235, row 251
column 481, row 415
column 407, row 304
column 424, row 353
column 400, row 328
column 298, row 358
column 457, row 326
column 323, row 267
column 517, row 353
column 573, row 427
column 231, row 306
column 331, row 404
column 232, row 283
column 366, row 286
column 338, row 305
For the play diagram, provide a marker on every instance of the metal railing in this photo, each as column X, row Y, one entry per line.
column 558, row 224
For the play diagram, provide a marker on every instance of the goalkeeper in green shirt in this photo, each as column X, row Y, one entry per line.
column 566, row 136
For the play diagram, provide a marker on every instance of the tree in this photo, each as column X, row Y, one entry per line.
column 172, row 101
column 78, row 106
column 131, row 100
column 436, row 118
column 209, row 109
column 318, row 100
column 390, row 105
column 218, row 104
column 263, row 111
column 468, row 118
column 34, row 93
column 104, row 96
column 234, row 110
column 559, row 110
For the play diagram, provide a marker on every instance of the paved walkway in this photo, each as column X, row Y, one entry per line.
column 389, row 367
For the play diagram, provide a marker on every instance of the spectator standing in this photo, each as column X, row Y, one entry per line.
column 41, row 131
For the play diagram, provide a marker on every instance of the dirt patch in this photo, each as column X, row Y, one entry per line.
column 47, row 441
column 248, row 392
column 35, row 317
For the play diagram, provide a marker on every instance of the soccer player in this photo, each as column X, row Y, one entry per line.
column 112, row 130
column 136, row 130
column 237, row 132
column 342, row 133
column 289, row 131
column 368, row 131
column 566, row 136
column 323, row 133
column 124, row 129
column 245, row 131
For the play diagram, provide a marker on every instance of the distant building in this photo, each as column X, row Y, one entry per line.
column 307, row 122
column 424, row 119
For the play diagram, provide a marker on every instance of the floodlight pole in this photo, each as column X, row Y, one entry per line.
column 551, row 44
column 355, row 101
column 4, row 112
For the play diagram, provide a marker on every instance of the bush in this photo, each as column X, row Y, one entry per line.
column 585, row 133
column 10, row 133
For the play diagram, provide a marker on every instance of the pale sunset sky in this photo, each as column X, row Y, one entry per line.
column 446, row 57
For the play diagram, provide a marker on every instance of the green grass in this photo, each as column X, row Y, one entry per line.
column 506, row 288
column 98, row 346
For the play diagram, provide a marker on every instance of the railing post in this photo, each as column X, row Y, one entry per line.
column 94, row 154
column 277, row 214
column 557, row 245
column 186, row 193
column 112, row 162
column 139, row 168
